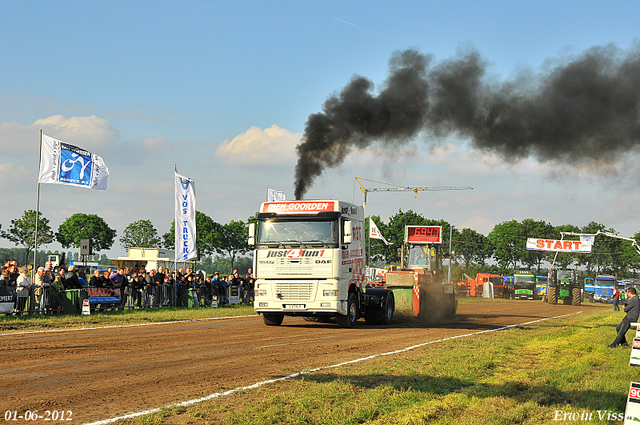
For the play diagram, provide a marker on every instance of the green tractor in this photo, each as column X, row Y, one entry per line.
column 565, row 287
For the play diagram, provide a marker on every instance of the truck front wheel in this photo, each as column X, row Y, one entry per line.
column 272, row 319
column 350, row 319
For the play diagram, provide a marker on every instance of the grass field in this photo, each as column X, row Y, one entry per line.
column 543, row 373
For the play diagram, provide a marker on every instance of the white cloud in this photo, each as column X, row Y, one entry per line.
column 16, row 178
column 92, row 133
column 273, row 145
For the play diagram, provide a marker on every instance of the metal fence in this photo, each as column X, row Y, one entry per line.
column 44, row 300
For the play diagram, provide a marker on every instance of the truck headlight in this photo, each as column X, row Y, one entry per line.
column 261, row 293
column 329, row 293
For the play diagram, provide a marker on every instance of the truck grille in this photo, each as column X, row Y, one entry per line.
column 293, row 271
column 292, row 291
column 293, row 267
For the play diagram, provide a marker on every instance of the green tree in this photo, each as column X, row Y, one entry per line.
column 22, row 231
column 234, row 240
column 472, row 247
column 85, row 226
column 140, row 234
column 208, row 234
column 508, row 239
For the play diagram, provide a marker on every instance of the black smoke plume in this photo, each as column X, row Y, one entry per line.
column 584, row 107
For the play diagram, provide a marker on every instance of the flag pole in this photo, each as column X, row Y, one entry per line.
column 35, row 248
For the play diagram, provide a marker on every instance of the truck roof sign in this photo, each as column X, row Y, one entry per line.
column 298, row 207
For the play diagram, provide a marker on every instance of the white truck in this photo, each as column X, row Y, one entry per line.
column 309, row 262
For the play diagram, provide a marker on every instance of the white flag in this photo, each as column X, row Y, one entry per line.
column 62, row 163
column 276, row 195
column 374, row 232
column 185, row 237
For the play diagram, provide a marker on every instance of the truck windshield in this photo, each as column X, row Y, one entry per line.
column 418, row 257
column 523, row 280
column 604, row 282
column 565, row 274
column 298, row 232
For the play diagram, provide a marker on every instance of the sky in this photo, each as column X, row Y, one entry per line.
column 222, row 90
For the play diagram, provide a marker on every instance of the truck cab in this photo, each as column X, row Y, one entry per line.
column 524, row 285
column 309, row 262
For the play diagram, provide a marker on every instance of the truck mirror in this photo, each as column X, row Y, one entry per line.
column 347, row 232
column 252, row 234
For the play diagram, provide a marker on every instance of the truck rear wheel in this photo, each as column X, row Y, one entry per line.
column 575, row 296
column 272, row 319
column 351, row 318
column 384, row 315
column 553, row 295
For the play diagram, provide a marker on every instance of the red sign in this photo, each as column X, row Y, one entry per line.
column 423, row 234
column 298, row 207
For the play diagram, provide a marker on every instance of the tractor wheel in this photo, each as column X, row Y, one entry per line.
column 553, row 295
column 351, row 318
column 384, row 315
column 576, row 296
column 272, row 319
column 452, row 305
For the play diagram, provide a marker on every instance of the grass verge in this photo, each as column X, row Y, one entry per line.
column 121, row 317
column 533, row 374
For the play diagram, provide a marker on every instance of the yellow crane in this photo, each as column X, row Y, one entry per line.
column 400, row 188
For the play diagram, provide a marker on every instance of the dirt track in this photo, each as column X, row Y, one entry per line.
column 102, row 373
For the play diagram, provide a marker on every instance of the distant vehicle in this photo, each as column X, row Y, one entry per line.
column 476, row 286
column 524, row 284
column 565, row 287
column 541, row 286
column 601, row 287
column 55, row 260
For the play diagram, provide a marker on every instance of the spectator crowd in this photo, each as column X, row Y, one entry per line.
column 44, row 293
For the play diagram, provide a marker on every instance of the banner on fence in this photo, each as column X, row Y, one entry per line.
column 6, row 300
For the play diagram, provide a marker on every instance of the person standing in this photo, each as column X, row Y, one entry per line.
column 616, row 298
column 57, row 289
column 23, row 283
column 149, row 289
column 71, row 280
column 632, row 309
column 41, row 290
column 95, row 280
column 119, row 282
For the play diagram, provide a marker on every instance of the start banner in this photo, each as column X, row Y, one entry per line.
column 583, row 245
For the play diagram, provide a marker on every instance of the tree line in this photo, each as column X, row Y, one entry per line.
column 228, row 240
column 223, row 246
column 503, row 250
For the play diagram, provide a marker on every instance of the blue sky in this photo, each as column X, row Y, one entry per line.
column 223, row 90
